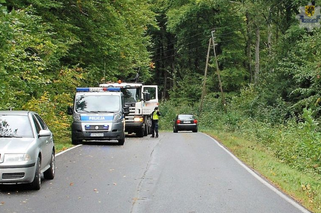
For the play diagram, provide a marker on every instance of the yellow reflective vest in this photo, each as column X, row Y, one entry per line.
column 155, row 116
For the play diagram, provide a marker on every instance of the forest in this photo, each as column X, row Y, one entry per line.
column 259, row 82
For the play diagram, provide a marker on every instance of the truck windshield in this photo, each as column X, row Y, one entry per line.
column 131, row 95
column 97, row 103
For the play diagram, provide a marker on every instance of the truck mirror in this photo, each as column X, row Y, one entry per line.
column 146, row 96
column 69, row 110
column 126, row 110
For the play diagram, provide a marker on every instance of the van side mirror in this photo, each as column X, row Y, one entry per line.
column 126, row 110
column 146, row 96
column 69, row 110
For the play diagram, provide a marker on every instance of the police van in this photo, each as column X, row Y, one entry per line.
column 98, row 115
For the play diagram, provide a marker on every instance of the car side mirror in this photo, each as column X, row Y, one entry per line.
column 44, row 133
column 69, row 110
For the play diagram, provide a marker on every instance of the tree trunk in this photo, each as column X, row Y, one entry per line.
column 257, row 56
column 270, row 39
column 248, row 46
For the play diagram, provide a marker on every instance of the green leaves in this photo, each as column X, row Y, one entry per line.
column 49, row 47
column 107, row 39
column 28, row 52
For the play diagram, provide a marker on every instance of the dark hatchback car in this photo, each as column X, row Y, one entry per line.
column 185, row 122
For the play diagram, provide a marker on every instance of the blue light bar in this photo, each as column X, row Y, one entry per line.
column 97, row 89
column 90, row 89
column 82, row 89
column 113, row 89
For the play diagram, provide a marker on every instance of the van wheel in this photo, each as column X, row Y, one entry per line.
column 121, row 141
column 75, row 142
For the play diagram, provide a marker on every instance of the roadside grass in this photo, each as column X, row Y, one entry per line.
column 62, row 143
column 305, row 188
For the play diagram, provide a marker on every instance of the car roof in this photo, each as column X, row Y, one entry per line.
column 15, row 112
column 185, row 116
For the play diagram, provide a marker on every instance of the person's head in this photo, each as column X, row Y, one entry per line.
column 156, row 108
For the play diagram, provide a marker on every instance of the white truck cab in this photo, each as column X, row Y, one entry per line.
column 98, row 115
column 141, row 100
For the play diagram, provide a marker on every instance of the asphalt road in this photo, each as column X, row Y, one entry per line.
column 181, row 173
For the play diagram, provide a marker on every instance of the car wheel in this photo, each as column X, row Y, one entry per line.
column 175, row 130
column 36, row 183
column 50, row 173
column 194, row 130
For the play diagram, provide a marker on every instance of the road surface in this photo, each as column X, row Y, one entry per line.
column 181, row 172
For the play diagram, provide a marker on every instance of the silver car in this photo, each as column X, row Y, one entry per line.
column 26, row 149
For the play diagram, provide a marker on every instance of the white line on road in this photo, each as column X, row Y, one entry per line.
column 60, row 153
column 277, row 191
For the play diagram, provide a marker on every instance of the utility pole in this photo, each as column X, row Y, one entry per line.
column 205, row 74
column 218, row 73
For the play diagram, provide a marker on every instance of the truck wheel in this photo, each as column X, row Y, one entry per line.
column 140, row 132
column 146, row 128
column 148, row 125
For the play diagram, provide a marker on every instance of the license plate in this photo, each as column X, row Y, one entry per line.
column 186, row 122
column 96, row 134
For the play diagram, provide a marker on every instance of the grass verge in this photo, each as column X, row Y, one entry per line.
column 305, row 188
column 62, row 144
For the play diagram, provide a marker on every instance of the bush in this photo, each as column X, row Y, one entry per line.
column 52, row 108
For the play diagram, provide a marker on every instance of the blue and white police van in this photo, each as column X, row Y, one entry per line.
column 98, row 115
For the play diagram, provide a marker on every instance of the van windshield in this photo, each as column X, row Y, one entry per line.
column 97, row 103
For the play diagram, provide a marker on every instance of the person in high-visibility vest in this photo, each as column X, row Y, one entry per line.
column 155, row 117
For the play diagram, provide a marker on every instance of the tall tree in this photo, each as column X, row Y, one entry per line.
column 28, row 55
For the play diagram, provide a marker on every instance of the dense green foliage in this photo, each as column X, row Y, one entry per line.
column 49, row 47
column 269, row 66
column 272, row 95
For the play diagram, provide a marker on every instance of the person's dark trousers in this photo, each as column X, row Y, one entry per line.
column 154, row 128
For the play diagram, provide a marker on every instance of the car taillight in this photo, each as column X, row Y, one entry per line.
column 178, row 121
column 195, row 121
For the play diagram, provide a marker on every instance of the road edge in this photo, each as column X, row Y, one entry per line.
column 71, row 148
column 262, row 180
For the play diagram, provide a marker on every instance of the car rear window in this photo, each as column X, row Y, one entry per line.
column 15, row 126
column 185, row 117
